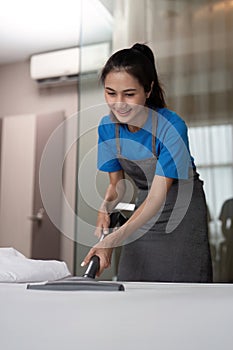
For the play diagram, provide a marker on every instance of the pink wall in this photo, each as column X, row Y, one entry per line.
column 20, row 95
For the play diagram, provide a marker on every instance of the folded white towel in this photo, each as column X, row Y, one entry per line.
column 15, row 267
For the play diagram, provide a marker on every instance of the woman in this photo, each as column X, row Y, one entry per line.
column 166, row 238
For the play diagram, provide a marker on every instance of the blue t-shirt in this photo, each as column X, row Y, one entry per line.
column 172, row 146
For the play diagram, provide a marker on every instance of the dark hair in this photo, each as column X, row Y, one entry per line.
column 139, row 62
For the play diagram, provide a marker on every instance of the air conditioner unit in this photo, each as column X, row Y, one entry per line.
column 67, row 65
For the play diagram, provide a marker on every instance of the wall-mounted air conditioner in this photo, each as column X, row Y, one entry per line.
column 66, row 65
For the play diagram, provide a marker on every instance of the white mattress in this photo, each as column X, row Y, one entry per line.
column 145, row 316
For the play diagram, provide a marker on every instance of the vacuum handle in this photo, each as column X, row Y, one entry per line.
column 93, row 267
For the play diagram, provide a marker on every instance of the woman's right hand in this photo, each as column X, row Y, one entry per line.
column 102, row 224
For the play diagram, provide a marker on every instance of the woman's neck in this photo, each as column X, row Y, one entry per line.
column 138, row 124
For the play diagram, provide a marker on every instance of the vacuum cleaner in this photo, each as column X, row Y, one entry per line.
column 87, row 282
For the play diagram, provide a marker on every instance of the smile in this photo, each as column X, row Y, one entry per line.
column 123, row 112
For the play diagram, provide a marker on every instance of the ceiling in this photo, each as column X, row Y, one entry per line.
column 28, row 27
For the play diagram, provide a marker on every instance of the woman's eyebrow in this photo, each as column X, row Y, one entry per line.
column 130, row 89
column 108, row 88
column 126, row 90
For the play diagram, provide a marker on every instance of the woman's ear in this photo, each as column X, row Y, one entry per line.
column 149, row 92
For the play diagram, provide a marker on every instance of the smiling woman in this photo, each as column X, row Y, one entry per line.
column 166, row 238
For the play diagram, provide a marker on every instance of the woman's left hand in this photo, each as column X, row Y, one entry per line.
column 105, row 255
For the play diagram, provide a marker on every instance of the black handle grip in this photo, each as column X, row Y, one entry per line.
column 117, row 218
column 93, row 267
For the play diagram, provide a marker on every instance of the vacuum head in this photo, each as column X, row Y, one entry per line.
column 78, row 283
column 87, row 281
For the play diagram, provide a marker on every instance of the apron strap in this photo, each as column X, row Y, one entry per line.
column 154, row 130
column 117, row 139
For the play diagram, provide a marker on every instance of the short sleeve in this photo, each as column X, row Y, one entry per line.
column 107, row 153
column 174, row 158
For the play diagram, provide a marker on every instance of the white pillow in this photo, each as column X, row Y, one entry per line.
column 15, row 267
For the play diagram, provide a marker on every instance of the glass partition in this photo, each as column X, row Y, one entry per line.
column 192, row 42
column 94, row 52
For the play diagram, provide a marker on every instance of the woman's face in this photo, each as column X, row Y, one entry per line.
column 125, row 97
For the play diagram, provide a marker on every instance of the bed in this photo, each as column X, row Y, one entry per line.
column 144, row 316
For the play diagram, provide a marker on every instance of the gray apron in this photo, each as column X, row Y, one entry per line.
column 154, row 254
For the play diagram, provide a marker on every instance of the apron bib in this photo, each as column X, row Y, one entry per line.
column 183, row 254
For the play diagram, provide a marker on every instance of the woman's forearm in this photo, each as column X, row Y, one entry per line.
column 111, row 199
column 114, row 192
